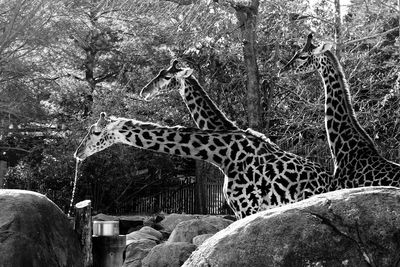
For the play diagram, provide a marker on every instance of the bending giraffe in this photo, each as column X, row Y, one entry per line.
column 258, row 175
column 356, row 159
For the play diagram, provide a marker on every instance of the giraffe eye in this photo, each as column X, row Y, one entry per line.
column 95, row 131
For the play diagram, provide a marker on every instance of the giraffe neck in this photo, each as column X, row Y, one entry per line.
column 218, row 148
column 345, row 134
column 203, row 110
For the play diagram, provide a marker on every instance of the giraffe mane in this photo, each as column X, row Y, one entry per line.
column 260, row 136
column 347, row 96
column 192, row 80
column 146, row 125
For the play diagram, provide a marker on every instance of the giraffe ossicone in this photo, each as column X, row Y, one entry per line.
column 258, row 174
column 356, row 159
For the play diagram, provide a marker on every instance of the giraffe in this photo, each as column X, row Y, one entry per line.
column 357, row 162
column 258, row 174
column 203, row 110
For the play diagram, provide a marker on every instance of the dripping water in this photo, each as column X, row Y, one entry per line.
column 74, row 188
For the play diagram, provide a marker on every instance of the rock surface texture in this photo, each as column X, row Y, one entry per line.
column 169, row 254
column 352, row 227
column 172, row 220
column 136, row 251
column 35, row 232
column 186, row 230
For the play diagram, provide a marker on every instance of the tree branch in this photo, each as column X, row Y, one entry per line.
column 106, row 76
column 15, row 148
column 182, row 2
column 232, row 3
column 371, row 36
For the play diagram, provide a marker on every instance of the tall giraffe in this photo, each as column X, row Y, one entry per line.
column 357, row 161
column 203, row 110
column 258, row 174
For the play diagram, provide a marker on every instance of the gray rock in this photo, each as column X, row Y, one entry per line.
column 151, row 231
column 352, row 227
column 186, row 230
column 219, row 222
column 168, row 254
column 172, row 220
column 198, row 240
column 35, row 232
column 137, row 235
column 136, row 251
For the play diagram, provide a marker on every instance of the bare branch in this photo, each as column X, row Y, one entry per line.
column 15, row 148
column 371, row 36
column 182, row 2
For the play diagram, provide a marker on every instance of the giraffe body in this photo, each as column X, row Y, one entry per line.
column 258, row 175
column 356, row 159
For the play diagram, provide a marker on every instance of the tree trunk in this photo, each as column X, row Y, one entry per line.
column 268, row 94
column 247, row 19
column 338, row 29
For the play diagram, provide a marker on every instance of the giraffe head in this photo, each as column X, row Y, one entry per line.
column 163, row 79
column 101, row 135
column 307, row 59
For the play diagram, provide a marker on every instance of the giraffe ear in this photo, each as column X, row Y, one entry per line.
column 102, row 121
column 186, row 72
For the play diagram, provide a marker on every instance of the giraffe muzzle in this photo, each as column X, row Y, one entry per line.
column 79, row 156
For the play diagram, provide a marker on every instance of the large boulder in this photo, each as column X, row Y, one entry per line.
column 35, row 232
column 186, row 230
column 136, row 251
column 352, row 227
column 168, row 254
column 198, row 240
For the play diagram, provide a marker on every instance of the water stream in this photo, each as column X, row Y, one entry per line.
column 74, row 189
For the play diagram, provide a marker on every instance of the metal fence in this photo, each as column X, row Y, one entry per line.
column 182, row 200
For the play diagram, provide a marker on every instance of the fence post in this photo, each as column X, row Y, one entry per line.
column 83, row 227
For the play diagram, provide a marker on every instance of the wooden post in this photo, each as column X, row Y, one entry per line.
column 83, row 226
column 201, row 187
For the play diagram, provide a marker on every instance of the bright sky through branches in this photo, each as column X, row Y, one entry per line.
column 343, row 5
